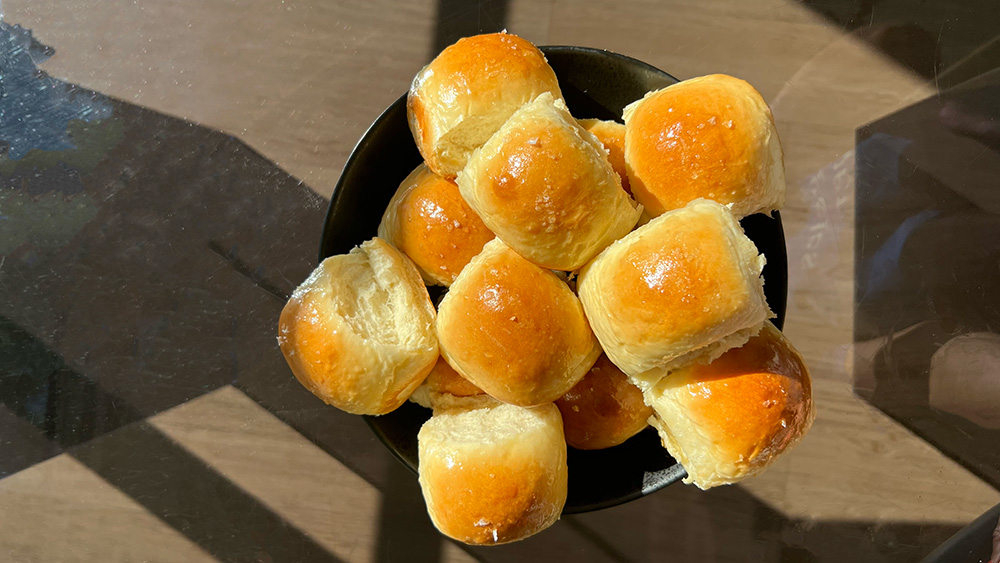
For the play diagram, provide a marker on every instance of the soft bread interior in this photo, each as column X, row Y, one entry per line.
column 455, row 147
column 648, row 379
column 372, row 291
column 486, row 421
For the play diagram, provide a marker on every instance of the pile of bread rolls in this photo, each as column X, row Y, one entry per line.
column 563, row 321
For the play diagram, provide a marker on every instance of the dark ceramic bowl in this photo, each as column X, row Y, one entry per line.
column 596, row 84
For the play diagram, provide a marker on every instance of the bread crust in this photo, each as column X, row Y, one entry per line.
column 494, row 473
column 604, row 409
column 468, row 91
column 611, row 134
column 683, row 287
column 428, row 220
column 544, row 185
column 710, row 137
column 731, row 419
column 515, row 330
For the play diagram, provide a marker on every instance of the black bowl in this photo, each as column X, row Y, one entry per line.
column 596, row 84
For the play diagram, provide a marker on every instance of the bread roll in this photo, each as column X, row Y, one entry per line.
column 685, row 286
column 611, row 134
column 711, row 137
column 359, row 332
column 545, row 187
column 730, row 419
column 428, row 220
column 604, row 409
column 443, row 380
column 493, row 474
column 465, row 94
column 515, row 330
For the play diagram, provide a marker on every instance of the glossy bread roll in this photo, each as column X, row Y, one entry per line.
column 604, row 409
column 545, row 187
column 443, row 380
column 428, row 220
column 611, row 134
column 359, row 332
column 685, row 286
column 468, row 91
column 515, row 330
column 493, row 474
column 730, row 419
column 711, row 137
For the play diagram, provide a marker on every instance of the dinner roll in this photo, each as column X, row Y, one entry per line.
column 611, row 134
column 730, row 419
column 515, row 330
column 544, row 185
column 684, row 286
column 359, row 332
column 493, row 474
column 443, row 380
column 428, row 220
column 465, row 94
column 604, row 409
column 710, row 137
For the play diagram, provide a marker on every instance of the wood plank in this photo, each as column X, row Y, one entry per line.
column 59, row 510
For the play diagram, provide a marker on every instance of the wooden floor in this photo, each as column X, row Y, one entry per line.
column 300, row 81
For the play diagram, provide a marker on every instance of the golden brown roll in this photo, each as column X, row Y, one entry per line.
column 465, row 94
column 515, row 330
column 684, row 286
column 443, row 380
column 493, row 474
column 543, row 184
column 359, row 332
column 611, row 134
column 711, row 137
column 428, row 220
column 604, row 409
column 730, row 419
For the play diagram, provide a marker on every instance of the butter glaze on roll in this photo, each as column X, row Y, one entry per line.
column 711, row 137
column 468, row 91
column 611, row 134
column 428, row 220
column 493, row 473
column 686, row 286
column 359, row 332
column 515, row 330
column 604, row 409
column 730, row 419
column 544, row 185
